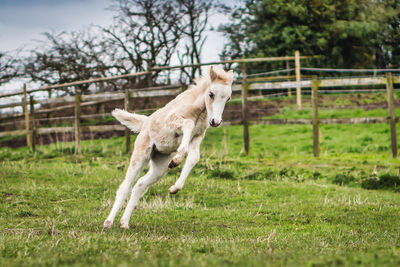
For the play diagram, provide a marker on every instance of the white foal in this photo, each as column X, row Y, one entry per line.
column 169, row 135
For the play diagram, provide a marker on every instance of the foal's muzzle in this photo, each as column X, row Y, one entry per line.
column 215, row 123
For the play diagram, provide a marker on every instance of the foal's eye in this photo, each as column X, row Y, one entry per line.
column 211, row 94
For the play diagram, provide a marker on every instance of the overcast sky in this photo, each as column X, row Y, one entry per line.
column 23, row 21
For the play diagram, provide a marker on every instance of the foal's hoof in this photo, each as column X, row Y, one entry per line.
column 172, row 164
column 107, row 224
column 124, row 225
column 173, row 190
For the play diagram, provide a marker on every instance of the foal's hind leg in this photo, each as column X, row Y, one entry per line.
column 140, row 158
column 158, row 167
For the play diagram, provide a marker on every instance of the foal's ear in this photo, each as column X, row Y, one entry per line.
column 213, row 74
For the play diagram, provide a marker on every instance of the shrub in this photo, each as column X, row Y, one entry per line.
column 221, row 173
column 316, row 175
column 383, row 181
column 260, row 175
column 343, row 179
column 286, row 172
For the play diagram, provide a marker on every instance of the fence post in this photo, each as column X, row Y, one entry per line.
column 33, row 128
column 149, row 82
column 102, row 105
column 298, row 79
column 183, row 87
column 288, row 74
column 77, row 124
column 315, row 121
column 245, row 110
column 26, row 112
column 50, row 115
column 169, row 77
column 392, row 114
column 127, row 131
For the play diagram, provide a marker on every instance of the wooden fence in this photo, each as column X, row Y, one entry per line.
column 100, row 98
column 315, row 84
column 245, row 85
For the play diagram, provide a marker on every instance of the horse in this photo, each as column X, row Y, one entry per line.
column 169, row 135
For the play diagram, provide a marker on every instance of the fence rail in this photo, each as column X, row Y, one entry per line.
column 338, row 82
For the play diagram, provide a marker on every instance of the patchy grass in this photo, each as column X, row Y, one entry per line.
column 276, row 206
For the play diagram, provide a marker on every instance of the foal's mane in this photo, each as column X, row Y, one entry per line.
column 204, row 81
column 201, row 83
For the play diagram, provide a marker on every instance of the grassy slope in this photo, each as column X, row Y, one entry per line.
column 276, row 206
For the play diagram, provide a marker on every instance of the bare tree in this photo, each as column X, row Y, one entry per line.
column 193, row 26
column 9, row 67
column 145, row 33
column 67, row 57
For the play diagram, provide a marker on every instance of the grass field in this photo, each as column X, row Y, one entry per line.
column 306, row 113
column 276, row 206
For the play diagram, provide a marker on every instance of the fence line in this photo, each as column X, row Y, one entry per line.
column 392, row 117
column 80, row 100
column 270, row 72
column 145, row 92
column 337, row 82
column 351, row 70
column 120, row 128
column 155, row 68
column 246, row 85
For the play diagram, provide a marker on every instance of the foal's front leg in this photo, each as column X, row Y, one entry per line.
column 187, row 127
column 191, row 160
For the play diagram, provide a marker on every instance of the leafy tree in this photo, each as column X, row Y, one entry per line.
column 346, row 33
column 388, row 49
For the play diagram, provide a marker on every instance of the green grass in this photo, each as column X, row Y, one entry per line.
column 98, row 121
column 276, row 206
column 306, row 113
column 333, row 106
column 11, row 138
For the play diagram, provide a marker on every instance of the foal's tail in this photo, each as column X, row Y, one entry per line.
column 131, row 120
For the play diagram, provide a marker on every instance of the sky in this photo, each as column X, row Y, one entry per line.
column 23, row 21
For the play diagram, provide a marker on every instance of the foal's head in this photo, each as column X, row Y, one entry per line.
column 218, row 94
